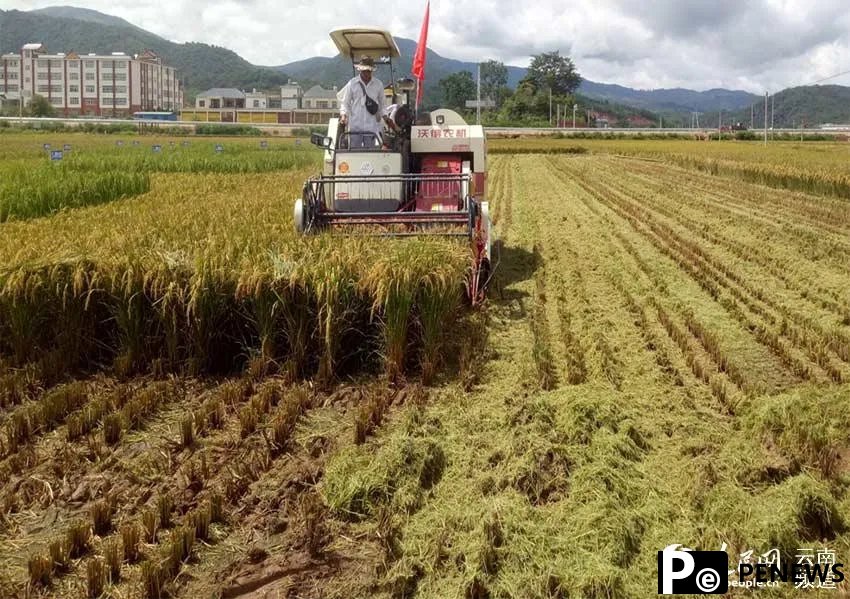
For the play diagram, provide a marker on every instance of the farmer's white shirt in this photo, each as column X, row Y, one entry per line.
column 353, row 104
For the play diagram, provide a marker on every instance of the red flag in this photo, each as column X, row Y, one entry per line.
column 419, row 57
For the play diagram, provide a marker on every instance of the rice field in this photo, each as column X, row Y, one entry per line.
column 194, row 402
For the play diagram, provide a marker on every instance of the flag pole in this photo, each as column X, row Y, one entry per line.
column 421, row 55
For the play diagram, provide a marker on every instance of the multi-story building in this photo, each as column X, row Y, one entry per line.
column 290, row 96
column 90, row 84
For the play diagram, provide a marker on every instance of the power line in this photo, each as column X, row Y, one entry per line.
column 830, row 77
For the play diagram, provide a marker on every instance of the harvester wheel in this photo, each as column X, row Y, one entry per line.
column 299, row 216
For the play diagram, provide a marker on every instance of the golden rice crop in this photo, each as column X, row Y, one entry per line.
column 811, row 167
column 206, row 271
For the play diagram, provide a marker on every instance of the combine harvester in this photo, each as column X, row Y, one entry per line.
column 427, row 176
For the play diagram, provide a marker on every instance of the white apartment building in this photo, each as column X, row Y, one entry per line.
column 90, row 84
column 290, row 96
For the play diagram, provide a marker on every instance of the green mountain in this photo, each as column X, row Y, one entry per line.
column 83, row 14
column 336, row 70
column 199, row 66
column 810, row 105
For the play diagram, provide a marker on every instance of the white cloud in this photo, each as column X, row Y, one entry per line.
column 753, row 45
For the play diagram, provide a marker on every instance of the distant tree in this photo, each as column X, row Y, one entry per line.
column 494, row 80
column 40, row 107
column 456, row 89
column 552, row 71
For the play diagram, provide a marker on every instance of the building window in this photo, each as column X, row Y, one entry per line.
column 13, row 63
column 73, row 64
column 256, row 103
column 12, row 87
column 13, row 75
column 89, row 64
column 73, row 100
column 42, row 89
column 120, row 101
column 89, row 89
column 120, row 76
column 42, row 76
column 89, row 76
column 202, row 103
column 43, row 62
column 74, row 89
column 57, row 101
column 27, row 67
column 121, row 89
column 74, row 76
column 56, row 64
column 90, row 101
column 56, row 88
column 121, row 64
column 106, row 89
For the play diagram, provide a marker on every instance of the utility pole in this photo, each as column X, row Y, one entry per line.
column 765, row 118
column 550, row 105
column 772, row 134
column 478, row 108
column 720, row 125
column 575, row 107
column 557, row 116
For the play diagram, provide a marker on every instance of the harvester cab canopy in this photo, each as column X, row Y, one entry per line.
column 355, row 42
column 377, row 44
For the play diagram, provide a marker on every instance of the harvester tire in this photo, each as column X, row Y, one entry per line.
column 299, row 216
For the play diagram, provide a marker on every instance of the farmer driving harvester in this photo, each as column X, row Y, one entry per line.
column 425, row 174
column 362, row 106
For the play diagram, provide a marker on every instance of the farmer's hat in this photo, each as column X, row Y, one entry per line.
column 366, row 63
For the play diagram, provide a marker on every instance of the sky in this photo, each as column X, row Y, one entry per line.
column 754, row 45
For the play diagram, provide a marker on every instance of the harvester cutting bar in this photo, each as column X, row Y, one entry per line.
column 414, row 177
column 407, row 234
